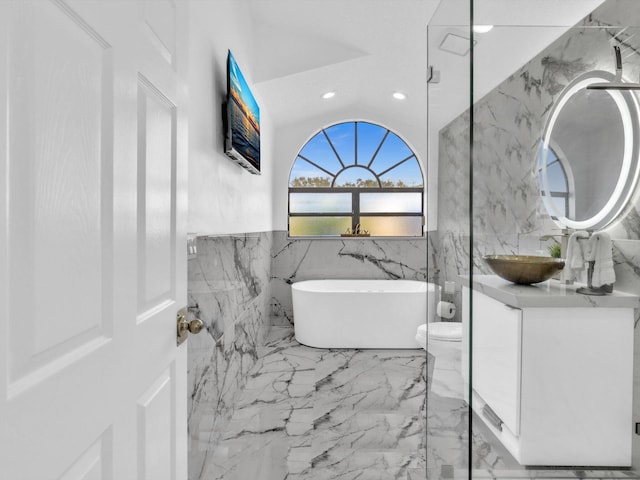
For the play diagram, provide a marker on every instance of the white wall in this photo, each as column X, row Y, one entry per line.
column 223, row 197
column 291, row 138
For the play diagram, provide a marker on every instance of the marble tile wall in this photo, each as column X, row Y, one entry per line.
column 508, row 215
column 295, row 260
column 229, row 290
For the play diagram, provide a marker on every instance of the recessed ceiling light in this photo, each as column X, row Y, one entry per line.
column 328, row 95
column 399, row 95
column 482, row 28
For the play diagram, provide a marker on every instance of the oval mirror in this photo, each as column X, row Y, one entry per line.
column 588, row 159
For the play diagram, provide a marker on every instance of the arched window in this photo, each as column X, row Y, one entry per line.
column 356, row 177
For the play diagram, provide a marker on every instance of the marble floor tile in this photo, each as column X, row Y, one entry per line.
column 372, row 380
column 547, row 474
column 309, row 413
column 321, row 414
column 259, row 457
column 416, row 474
column 353, row 464
column 369, row 431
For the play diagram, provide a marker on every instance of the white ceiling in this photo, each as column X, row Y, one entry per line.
column 364, row 50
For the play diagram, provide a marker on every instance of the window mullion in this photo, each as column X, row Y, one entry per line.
column 375, row 154
column 355, row 208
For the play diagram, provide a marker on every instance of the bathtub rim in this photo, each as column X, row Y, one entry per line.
column 307, row 286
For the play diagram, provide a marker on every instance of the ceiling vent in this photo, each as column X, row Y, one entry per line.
column 456, row 44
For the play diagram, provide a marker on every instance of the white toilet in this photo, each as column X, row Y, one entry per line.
column 443, row 340
column 441, row 336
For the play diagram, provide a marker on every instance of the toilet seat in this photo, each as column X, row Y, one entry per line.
column 444, row 331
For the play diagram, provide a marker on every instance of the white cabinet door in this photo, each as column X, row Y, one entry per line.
column 92, row 240
column 497, row 350
column 577, row 386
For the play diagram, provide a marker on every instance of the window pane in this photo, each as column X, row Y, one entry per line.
column 369, row 138
column 357, row 177
column 320, row 202
column 311, row 226
column 556, row 178
column 546, row 154
column 342, row 137
column 393, row 150
column 408, row 174
column 320, row 152
column 400, row 202
column 303, row 174
column 392, row 226
column 559, row 205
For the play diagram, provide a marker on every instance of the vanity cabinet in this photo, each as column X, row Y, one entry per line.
column 557, row 375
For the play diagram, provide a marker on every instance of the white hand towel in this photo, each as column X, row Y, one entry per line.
column 575, row 261
column 601, row 252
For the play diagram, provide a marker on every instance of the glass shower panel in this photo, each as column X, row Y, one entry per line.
column 448, row 236
column 549, row 369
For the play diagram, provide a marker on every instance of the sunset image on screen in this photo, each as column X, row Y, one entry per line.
column 245, row 116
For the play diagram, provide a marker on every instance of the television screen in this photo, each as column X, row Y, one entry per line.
column 243, row 120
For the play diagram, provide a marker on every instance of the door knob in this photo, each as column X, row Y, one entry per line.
column 184, row 326
column 196, row 325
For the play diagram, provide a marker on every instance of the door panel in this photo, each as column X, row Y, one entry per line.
column 156, row 198
column 94, row 463
column 55, row 138
column 92, row 240
column 155, row 422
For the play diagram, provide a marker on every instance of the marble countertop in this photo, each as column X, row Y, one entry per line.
column 551, row 293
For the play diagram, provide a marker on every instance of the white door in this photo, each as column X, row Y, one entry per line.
column 92, row 240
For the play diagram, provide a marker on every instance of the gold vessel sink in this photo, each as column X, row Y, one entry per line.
column 524, row 269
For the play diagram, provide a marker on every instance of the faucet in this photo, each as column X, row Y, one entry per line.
column 564, row 235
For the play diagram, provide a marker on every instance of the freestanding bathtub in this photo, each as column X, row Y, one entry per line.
column 360, row 313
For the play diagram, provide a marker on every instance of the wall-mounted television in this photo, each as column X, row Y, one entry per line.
column 242, row 136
